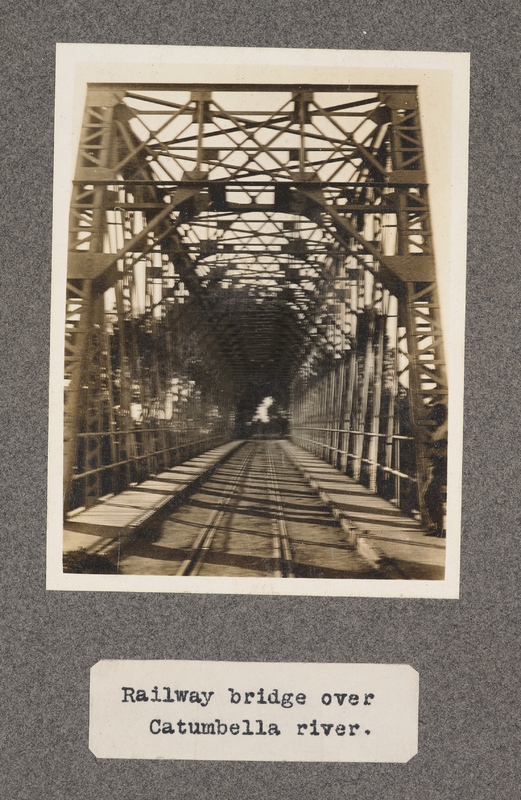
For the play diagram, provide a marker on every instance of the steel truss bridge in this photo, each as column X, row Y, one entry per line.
column 232, row 242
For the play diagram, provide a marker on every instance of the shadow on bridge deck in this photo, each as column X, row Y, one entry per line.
column 118, row 517
column 383, row 533
column 393, row 544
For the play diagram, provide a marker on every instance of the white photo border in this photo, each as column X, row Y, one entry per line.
column 443, row 85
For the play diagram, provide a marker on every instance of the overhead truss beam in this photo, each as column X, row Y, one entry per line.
column 294, row 224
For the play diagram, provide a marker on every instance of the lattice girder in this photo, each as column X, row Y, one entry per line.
column 251, row 197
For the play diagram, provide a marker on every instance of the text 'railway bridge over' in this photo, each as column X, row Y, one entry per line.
column 232, row 243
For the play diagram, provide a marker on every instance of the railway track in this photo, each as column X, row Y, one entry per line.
column 192, row 564
column 278, row 523
column 256, row 516
column 224, row 518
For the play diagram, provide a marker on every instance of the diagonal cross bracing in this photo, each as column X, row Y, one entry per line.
column 228, row 242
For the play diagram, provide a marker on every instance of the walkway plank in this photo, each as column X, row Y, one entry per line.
column 123, row 514
column 382, row 531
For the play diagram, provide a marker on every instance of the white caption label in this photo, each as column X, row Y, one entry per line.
column 234, row 711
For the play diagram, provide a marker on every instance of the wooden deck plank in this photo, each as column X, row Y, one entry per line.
column 124, row 513
column 388, row 532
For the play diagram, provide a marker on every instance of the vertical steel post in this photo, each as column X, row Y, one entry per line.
column 95, row 160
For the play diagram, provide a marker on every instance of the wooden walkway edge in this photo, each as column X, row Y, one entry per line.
column 393, row 542
column 120, row 516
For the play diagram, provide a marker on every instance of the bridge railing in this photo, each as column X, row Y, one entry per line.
column 129, row 457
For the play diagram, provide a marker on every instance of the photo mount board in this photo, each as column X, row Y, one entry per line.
column 442, row 83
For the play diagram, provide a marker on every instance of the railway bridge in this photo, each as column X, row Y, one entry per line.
column 254, row 369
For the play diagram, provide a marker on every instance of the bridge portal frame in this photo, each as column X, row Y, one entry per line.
column 407, row 274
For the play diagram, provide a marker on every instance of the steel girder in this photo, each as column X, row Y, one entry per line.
column 268, row 211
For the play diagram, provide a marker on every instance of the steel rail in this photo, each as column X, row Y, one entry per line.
column 282, row 544
column 202, row 544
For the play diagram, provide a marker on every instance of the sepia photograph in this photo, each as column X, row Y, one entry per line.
column 257, row 322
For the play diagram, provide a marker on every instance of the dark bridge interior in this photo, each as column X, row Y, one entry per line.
column 229, row 243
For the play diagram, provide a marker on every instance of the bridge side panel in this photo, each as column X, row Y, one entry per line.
column 372, row 401
column 145, row 387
